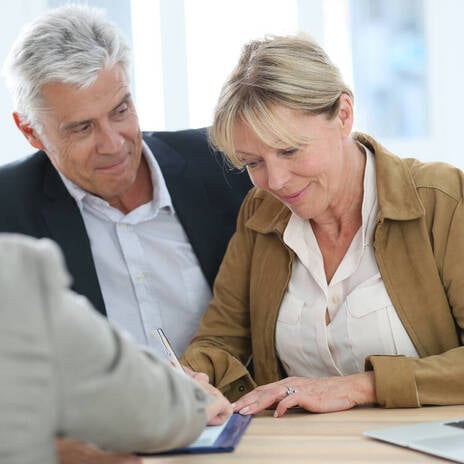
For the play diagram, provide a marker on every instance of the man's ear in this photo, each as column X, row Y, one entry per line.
column 28, row 132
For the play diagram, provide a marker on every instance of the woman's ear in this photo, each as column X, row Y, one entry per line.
column 28, row 132
column 346, row 113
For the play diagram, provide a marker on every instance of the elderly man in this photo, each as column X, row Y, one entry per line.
column 142, row 219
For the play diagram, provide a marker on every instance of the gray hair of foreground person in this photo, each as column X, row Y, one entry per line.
column 292, row 71
column 70, row 45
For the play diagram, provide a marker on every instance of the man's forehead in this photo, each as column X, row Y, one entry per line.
column 72, row 103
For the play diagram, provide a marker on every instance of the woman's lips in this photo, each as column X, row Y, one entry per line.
column 294, row 197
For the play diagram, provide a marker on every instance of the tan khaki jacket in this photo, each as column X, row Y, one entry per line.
column 419, row 247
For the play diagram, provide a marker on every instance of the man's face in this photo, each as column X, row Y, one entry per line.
column 92, row 135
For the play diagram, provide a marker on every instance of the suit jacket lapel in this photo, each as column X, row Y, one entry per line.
column 192, row 204
column 67, row 228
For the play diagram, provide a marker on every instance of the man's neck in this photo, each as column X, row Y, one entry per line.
column 140, row 192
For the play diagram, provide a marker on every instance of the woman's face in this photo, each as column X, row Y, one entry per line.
column 308, row 179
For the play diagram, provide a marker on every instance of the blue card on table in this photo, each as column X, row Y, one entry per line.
column 214, row 438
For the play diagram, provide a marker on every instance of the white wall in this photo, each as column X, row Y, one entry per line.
column 14, row 145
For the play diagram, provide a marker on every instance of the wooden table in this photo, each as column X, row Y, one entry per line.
column 301, row 437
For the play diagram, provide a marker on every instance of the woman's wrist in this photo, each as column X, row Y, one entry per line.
column 364, row 391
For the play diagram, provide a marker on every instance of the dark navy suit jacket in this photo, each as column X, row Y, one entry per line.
column 205, row 193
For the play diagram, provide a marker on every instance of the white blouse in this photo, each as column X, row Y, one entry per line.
column 363, row 320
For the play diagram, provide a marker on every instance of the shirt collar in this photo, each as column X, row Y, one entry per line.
column 296, row 224
column 161, row 196
column 369, row 204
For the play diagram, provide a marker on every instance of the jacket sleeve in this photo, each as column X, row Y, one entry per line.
column 222, row 345
column 436, row 379
column 102, row 388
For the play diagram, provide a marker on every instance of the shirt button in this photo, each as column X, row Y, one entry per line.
column 140, row 276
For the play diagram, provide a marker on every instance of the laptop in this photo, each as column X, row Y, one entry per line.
column 440, row 438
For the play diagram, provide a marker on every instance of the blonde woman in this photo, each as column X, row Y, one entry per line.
column 344, row 281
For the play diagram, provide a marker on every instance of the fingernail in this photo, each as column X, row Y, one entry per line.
column 244, row 410
column 276, row 413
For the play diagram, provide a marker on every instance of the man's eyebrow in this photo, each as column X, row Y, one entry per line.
column 74, row 124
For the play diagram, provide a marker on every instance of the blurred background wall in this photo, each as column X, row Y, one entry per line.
column 401, row 57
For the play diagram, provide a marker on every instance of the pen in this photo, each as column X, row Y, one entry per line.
column 170, row 353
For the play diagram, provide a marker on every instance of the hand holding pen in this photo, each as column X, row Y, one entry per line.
column 219, row 410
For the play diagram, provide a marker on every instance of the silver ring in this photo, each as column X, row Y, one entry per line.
column 290, row 391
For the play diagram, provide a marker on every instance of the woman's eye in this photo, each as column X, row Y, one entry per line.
column 250, row 164
column 289, row 151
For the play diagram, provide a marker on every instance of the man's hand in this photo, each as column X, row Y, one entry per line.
column 74, row 452
column 220, row 409
column 200, row 377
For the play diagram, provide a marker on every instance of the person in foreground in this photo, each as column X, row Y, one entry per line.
column 67, row 372
column 344, row 281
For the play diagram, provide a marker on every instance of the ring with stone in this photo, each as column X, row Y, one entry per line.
column 290, row 391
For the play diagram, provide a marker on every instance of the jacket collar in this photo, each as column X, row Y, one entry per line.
column 396, row 191
column 270, row 214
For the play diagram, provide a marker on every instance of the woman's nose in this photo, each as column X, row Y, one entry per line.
column 277, row 174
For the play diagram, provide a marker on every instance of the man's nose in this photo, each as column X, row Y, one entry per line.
column 109, row 140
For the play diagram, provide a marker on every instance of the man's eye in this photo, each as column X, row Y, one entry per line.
column 121, row 109
column 82, row 128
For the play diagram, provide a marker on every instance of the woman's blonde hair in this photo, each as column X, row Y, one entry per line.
column 291, row 71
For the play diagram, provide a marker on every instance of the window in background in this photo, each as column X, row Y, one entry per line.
column 148, row 64
column 389, row 66
column 215, row 33
column 183, row 51
column 337, row 36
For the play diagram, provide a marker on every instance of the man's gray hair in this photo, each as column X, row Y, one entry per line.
column 70, row 45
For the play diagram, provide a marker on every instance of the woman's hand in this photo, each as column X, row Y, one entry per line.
column 324, row 394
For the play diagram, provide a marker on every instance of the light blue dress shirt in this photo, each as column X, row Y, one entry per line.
column 146, row 267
